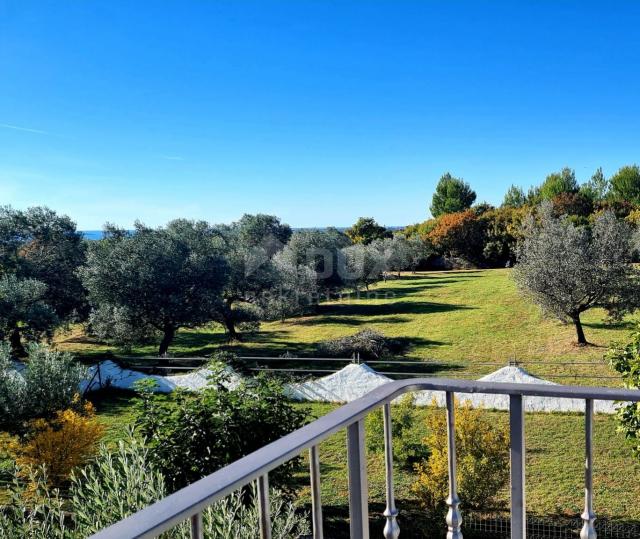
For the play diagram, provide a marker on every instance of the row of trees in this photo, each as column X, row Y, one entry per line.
column 487, row 236
column 144, row 285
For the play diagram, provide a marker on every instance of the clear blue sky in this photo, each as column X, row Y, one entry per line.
column 318, row 112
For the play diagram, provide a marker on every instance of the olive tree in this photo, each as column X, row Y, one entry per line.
column 361, row 265
column 318, row 250
column 249, row 247
column 396, row 252
column 39, row 245
column 24, row 312
column 162, row 279
column 568, row 270
column 296, row 289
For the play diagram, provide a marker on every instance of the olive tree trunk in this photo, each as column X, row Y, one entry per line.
column 167, row 339
column 579, row 330
column 15, row 339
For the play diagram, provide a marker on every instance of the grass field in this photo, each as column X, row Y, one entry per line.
column 458, row 321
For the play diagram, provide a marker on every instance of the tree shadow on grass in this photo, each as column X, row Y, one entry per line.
column 623, row 324
column 349, row 321
column 385, row 309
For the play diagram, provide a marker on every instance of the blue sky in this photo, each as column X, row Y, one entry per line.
column 318, row 112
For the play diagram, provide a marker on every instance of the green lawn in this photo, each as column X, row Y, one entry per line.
column 458, row 320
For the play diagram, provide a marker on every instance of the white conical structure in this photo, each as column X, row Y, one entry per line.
column 110, row 374
column 515, row 375
column 346, row 385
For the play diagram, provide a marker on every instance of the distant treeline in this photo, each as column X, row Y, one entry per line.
column 487, row 235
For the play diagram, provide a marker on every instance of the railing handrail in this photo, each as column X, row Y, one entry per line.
column 189, row 501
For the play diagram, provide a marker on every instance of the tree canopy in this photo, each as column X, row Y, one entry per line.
column 39, row 245
column 625, row 184
column 161, row 279
column 597, row 187
column 568, row 270
column 557, row 183
column 514, row 197
column 451, row 195
column 365, row 230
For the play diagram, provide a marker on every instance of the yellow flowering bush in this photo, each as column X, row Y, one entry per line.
column 482, row 452
column 59, row 444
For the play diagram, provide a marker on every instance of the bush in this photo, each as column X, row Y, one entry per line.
column 192, row 435
column 48, row 383
column 119, row 483
column 405, row 450
column 115, row 485
column 35, row 511
column 52, row 380
column 59, row 445
column 482, row 456
column 369, row 343
column 625, row 359
column 11, row 389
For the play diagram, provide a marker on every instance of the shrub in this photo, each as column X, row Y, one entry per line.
column 115, row 485
column 369, row 343
column 232, row 518
column 33, row 511
column 60, row 444
column 52, row 380
column 482, row 456
column 625, row 359
column 48, row 383
column 11, row 389
column 119, row 483
column 406, row 451
column 191, row 435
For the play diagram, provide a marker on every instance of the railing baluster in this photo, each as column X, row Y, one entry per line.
column 197, row 531
column 588, row 516
column 263, row 507
column 316, row 501
column 358, row 489
column 518, row 500
column 391, row 528
column 454, row 518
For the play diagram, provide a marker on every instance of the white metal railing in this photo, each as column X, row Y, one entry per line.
column 189, row 502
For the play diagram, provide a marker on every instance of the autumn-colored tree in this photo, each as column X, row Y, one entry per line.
column 571, row 204
column 458, row 234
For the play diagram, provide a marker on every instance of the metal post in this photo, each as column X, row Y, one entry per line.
column 197, row 530
column 391, row 528
column 358, row 489
column 316, row 502
column 263, row 507
column 518, row 501
column 588, row 516
column 454, row 518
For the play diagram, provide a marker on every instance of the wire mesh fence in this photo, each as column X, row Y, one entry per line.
column 498, row 526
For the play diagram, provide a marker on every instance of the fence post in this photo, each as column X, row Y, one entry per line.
column 391, row 528
column 518, row 500
column 588, row 516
